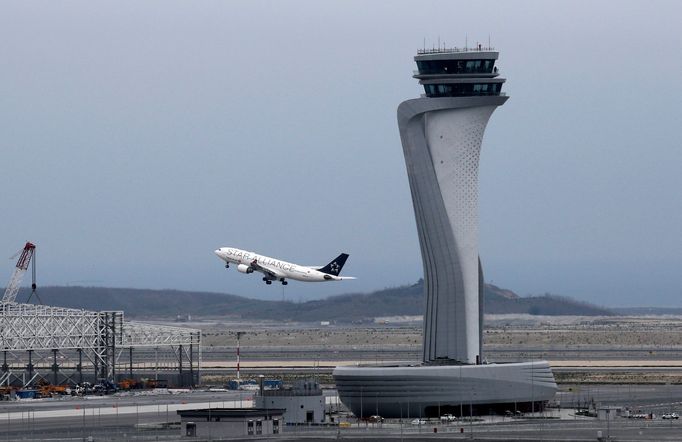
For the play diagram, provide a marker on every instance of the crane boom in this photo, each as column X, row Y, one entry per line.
column 19, row 271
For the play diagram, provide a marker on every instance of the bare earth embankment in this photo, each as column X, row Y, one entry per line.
column 643, row 349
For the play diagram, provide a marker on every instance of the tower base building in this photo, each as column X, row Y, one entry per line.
column 441, row 134
column 410, row 391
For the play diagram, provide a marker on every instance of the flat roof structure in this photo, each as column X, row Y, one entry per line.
column 234, row 413
column 219, row 423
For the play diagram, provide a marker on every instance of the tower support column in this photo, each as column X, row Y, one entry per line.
column 55, row 367
column 441, row 140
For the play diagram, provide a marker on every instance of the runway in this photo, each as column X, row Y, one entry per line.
column 319, row 366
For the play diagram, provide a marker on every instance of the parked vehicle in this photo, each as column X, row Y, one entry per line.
column 129, row 384
column 640, row 416
column 82, row 389
column 447, row 418
column 104, row 387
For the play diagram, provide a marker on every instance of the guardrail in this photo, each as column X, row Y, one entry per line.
column 478, row 48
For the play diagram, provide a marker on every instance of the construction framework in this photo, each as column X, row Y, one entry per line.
column 68, row 346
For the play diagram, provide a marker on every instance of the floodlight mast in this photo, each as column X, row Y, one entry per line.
column 19, row 271
column 239, row 335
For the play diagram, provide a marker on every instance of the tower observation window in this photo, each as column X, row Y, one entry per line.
column 462, row 89
column 435, row 67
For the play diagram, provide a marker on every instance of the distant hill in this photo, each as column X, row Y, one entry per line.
column 644, row 311
column 500, row 301
column 397, row 301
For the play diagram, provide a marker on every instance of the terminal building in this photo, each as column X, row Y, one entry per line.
column 441, row 134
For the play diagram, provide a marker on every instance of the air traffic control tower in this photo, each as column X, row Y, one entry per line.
column 441, row 135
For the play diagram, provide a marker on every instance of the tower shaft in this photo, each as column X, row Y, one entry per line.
column 441, row 134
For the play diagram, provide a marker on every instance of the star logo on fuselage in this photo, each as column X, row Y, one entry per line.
column 334, row 267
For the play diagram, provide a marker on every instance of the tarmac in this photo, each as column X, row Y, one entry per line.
column 152, row 416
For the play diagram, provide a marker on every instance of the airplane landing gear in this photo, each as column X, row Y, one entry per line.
column 284, row 282
column 227, row 266
column 268, row 282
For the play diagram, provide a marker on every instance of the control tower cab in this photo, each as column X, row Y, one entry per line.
column 441, row 133
column 458, row 72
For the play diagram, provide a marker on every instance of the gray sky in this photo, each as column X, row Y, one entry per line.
column 137, row 137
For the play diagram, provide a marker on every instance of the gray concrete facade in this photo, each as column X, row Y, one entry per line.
column 223, row 423
column 303, row 402
column 441, row 140
column 420, row 391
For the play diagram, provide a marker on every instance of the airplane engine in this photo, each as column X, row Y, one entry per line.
column 244, row 268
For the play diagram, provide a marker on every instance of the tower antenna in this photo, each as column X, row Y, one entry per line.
column 489, row 47
column 466, row 41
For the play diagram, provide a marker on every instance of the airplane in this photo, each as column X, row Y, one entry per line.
column 278, row 270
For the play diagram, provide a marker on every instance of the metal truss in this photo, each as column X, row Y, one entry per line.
column 34, row 327
column 46, row 341
column 138, row 334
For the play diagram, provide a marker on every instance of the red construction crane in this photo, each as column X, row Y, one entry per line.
column 18, row 275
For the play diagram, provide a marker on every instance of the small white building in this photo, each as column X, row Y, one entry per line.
column 218, row 423
column 609, row 412
column 304, row 402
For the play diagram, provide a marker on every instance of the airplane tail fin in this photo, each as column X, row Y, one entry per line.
column 334, row 267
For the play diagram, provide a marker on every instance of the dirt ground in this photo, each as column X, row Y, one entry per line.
column 645, row 349
column 500, row 331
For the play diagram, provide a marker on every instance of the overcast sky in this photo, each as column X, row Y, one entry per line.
column 137, row 137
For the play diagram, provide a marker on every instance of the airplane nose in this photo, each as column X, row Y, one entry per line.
column 217, row 252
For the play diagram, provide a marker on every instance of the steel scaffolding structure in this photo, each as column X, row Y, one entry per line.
column 62, row 345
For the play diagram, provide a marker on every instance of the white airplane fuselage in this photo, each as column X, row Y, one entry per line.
column 275, row 269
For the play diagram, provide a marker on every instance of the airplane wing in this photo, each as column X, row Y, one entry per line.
column 267, row 271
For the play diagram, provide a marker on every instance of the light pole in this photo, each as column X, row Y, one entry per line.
column 239, row 335
column 532, row 388
column 401, row 421
column 361, row 411
column 608, row 424
column 461, row 407
column 670, row 398
column 471, row 412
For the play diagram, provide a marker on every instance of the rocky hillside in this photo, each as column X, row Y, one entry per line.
column 404, row 300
